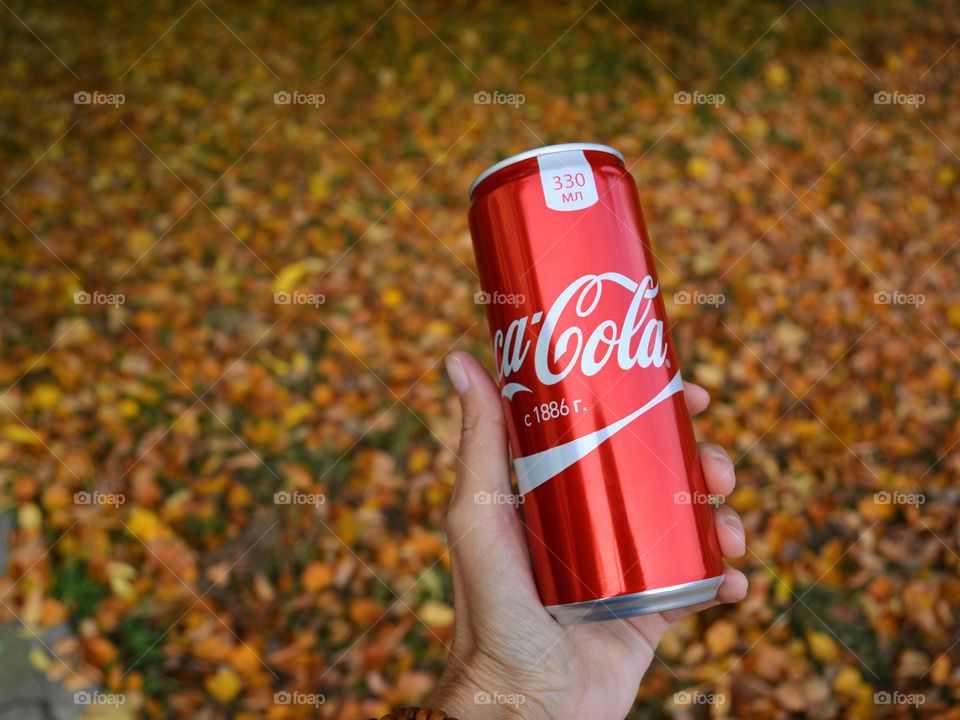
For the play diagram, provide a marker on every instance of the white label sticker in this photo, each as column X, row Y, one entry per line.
column 567, row 180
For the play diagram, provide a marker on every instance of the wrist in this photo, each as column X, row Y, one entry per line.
column 470, row 693
column 464, row 699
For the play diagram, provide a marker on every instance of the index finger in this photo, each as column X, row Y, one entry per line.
column 696, row 397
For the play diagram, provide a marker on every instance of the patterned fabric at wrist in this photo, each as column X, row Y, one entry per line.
column 414, row 713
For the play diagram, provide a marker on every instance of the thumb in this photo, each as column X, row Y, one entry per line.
column 483, row 526
column 484, row 463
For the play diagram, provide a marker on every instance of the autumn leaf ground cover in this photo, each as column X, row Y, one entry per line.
column 235, row 252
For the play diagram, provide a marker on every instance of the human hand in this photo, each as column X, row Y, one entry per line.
column 505, row 644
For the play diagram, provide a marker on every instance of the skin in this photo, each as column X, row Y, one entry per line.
column 504, row 642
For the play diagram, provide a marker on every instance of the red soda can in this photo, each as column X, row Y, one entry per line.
column 612, row 493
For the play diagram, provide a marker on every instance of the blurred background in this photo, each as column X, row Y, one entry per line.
column 235, row 252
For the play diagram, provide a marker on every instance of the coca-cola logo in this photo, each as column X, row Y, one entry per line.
column 573, row 336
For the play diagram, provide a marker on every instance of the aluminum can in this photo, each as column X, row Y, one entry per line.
column 617, row 516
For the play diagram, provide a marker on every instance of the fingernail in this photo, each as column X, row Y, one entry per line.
column 733, row 523
column 458, row 374
column 719, row 455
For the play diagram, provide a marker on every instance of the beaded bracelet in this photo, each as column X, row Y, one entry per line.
column 414, row 713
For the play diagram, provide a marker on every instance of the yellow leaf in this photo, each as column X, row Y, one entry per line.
column 129, row 408
column 289, row 277
column 757, row 127
column 187, row 426
column 123, row 588
column 744, row 499
column 301, row 361
column 140, row 241
column 239, row 496
column 45, row 396
column 782, row 590
column 438, row 328
column 262, row 432
column 146, row 525
column 419, row 460
column 946, row 175
column 297, row 413
column 319, row 189
column 120, row 576
column 223, row 685
column 698, row 168
column 29, row 517
column 121, row 570
column 777, row 75
column 848, row 681
column 21, row 434
column 39, row 659
column 822, row 647
column 392, row 297
column 790, row 335
column 436, row 614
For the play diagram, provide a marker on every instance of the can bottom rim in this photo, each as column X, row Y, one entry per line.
column 641, row 603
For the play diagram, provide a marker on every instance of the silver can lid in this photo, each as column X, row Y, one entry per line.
column 537, row 152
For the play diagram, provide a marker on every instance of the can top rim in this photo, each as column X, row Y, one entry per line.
column 537, row 152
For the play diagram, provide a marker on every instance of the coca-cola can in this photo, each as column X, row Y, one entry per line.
column 617, row 515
